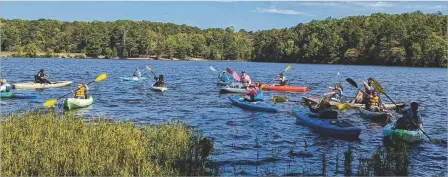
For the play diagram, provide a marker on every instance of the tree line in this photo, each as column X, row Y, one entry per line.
column 409, row 39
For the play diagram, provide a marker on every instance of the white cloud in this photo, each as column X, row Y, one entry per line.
column 437, row 7
column 376, row 4
column 329, row 4
column 274, row 10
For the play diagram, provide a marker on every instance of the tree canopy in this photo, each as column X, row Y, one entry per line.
column 409, row 39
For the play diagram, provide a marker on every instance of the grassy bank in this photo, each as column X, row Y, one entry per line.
column 51, row 144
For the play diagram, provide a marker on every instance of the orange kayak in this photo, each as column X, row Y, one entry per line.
column 285, row 88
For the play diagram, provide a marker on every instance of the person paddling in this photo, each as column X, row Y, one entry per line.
column 411, row 118
column 245, row 79
column 254, row 94
column 281, row 79
column 160, row 81
column 322, row 107
column 41, row 77
column 137, row 73
column 336, row 93
column 223, row 77
column 81, row 91
column 5, row 87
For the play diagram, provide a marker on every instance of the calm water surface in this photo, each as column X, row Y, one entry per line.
column 243, row 140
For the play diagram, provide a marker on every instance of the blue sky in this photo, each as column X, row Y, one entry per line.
column 246, row 15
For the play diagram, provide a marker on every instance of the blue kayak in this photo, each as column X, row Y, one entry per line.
column 254, row 106
column 132, row 79
column 333, row 127
column 6, row 95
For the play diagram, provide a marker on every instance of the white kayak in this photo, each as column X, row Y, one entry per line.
column 158, row 89
column 233, row 88
column 33, row 85
column 374, row 116
column 409, row 136
column 73, row 103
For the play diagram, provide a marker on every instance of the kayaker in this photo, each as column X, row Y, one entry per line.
column 254, row 94
column 160, row 81
column 245, row 79
column 81, row 91
column 137, row 73
column 411, row 118
column 322, row 107
column 223, row 77
column 5, row 87
column 368, row 85
column 336, row 93
column 41, row 77
column 373, row 102
column 281, row 79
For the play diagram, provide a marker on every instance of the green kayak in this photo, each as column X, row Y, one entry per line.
column 409, row 136
column 74, row 103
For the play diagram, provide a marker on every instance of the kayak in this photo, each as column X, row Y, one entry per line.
column 132, row 78
column 233, row 88
column 346, row 104
column 254, row 106
column 221, row 83
column 409, row 136
column 333, row 127
column 279, row 99
column 74, row 103
column 285, row 88
column 374, row 116
column 158, row 89
column 32, row 85
column 6, row 95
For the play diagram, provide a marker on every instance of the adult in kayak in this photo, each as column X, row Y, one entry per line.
column 336, row 93
column 245, row 79
column 160, row 81
column 81, row 91
column 137, row 73
column 223, row 77
column 411, row 118
column 324, row 106
column 5, row 87
column 41, row 77
column 281, row 79
column 254, row 94
column 373, row 102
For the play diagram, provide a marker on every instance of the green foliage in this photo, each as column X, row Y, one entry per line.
column 409, row 39
column 47, row 144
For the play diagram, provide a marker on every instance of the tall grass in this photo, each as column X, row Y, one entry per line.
column 44, row 143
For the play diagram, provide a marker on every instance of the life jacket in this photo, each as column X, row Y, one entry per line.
column 81, row 92
column 259, row 96
column 373, row 101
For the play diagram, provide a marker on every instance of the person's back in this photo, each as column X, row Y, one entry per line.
column 81, row 91
column 160, row 82
column 322, row 107
column 411, row 118
column 137, row 73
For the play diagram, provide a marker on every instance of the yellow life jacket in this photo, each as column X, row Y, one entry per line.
column 81, row 92
column 373, row 101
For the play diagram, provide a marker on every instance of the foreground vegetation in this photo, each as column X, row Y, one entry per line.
column 410, row 39
column 47, row 144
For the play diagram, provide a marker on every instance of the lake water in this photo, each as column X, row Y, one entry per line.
column 244, row 140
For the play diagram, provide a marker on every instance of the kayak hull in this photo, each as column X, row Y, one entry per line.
column 158, row 89
column 374, row 116
column 10, row 95
column 233, row 88
column 131, row 79
column 74, row 103
column 32, row 85
column 346, row 105
column 402, row 135
column 254, row 106
column 331, row 127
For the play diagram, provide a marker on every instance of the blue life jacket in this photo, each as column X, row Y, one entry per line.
column 259, row 96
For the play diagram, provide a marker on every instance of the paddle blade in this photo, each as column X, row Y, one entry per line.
column 288, row 68
column 351, row 82
column 101, row 77
column 229, row 70
column 344, row 106
column 50, row 103
column 279, row 99
column 236, row 77
column 212, row 68
column 148, row 68
column 378, row 87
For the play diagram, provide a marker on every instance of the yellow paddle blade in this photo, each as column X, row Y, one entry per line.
column 378, row 87
column 344, row 106
column 50, row 103
column 148, row 68
column 279, row 99
column 287, row 68
column 100, row 77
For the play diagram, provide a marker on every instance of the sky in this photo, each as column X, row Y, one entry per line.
column 251, row 16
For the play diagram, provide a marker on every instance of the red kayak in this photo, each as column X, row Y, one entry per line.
column 286, row 88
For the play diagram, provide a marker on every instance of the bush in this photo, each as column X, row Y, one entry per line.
column 51, row 144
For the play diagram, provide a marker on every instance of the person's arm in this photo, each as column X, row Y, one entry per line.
column 312, row 109
column 87, row 88
column 329, row 93
column 366, row 86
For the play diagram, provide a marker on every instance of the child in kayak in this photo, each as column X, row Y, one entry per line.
column 160, row 82
column 137, row 73
column 81, row 91
column 336, row 94
column 373, row 102
column 281, row 79
column 411, row 119
column 5, row 87
column 245, row 79
column 223, row 77
column 254, row 94
column 41, row 77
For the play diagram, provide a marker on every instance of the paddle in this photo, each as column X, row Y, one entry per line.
column 353, row 83
column 282, row 99
column 286, row 69
column 51, row 102
column 234, row 74
column 380, row 89
column 340, row 69
column 149, row 69
column 212, row 68
column 432, row 140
